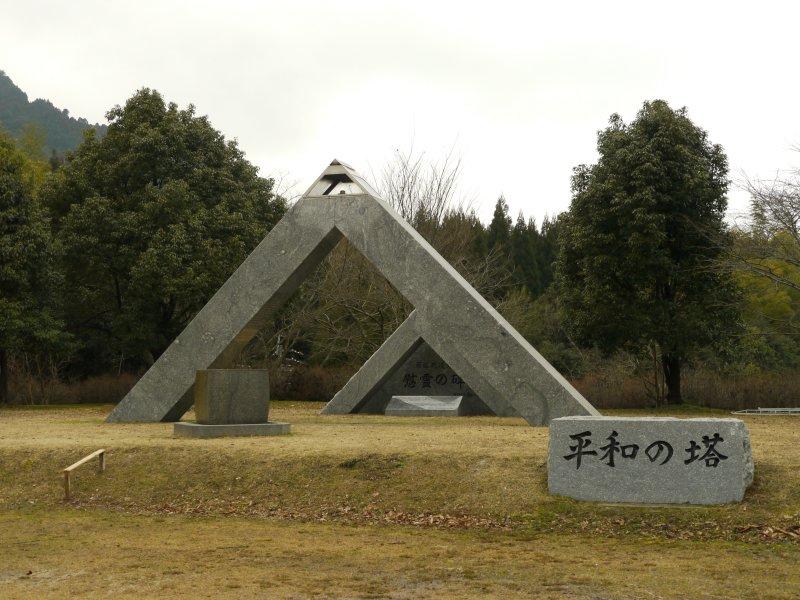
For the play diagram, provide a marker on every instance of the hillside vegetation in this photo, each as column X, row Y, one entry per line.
column 61, row 131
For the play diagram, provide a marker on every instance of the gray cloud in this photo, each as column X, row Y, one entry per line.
column 518, row 89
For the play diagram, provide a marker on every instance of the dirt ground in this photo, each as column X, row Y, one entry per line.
column 368, row 507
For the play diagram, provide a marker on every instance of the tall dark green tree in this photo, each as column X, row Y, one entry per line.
column 499, row 232
column 524, row 246
column 548, row 249
column 498, row 243
column 637, row 245
column 152, row 218
column 27, row 277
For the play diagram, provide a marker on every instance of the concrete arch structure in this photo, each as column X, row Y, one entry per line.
column 449, row 313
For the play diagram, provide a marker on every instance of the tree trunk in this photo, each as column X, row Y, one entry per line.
column 3, row 376
column 671, row 364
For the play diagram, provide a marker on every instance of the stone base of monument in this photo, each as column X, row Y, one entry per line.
column 228, row 396
column 198, row 430
column 649, row 460
column 424, row 406
column 231, row 403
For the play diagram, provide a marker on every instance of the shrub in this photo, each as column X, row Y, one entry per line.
column 101, row 389
column 299, row 382
column 610, row 388
column 701, row 388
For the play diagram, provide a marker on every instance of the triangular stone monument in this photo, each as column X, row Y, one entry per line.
column 407, row 365
column 503, row 369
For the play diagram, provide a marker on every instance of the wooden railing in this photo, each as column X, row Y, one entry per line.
column 68, row 471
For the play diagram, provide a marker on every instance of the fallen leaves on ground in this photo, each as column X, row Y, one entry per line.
column 787, row 529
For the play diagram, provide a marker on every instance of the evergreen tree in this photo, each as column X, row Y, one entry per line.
column 498, row 244
column 548, row 250
column 524, row 255
column 642, row 230
column 27, row 321
column 499, row 233
column 153, row 218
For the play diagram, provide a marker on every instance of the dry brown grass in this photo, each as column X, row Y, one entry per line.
column 361, row 468
column 93, row 554
column 63, row 427
column 307, row 514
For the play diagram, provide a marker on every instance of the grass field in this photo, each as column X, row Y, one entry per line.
column 368, row 507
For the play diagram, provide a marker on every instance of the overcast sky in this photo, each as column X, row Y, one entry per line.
column 517, row 90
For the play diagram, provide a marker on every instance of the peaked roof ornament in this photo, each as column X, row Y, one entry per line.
column 339, row 178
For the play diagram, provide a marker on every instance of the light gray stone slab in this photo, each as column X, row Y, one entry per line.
column 457, row 322
column 230, row 396
column 649, row 460
column 424, row 406
column 184, row 429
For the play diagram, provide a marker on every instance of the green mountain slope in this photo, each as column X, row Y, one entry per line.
column 61, row 131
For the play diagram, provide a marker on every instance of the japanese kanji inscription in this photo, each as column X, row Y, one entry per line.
column 650, row 460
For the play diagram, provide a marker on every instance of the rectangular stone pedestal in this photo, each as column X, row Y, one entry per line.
column 424, row 406
column 649, row 460
column 198, row 430
column 225, row 396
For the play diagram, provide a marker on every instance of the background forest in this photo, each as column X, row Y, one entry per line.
column 641, row 294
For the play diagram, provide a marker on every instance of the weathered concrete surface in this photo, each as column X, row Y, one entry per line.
column 230, row 396
column 406, row 365
column 183, row 429
column 424, row 406
column 629, row 459
column 214, row 338
column 464, row 329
